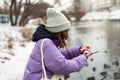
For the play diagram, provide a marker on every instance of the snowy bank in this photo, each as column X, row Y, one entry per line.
column 102, row 15
column 14, row 52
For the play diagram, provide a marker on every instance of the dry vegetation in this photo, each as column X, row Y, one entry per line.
column 9, row 42
column 26, row 33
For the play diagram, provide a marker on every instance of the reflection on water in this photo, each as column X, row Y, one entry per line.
column 102, row 36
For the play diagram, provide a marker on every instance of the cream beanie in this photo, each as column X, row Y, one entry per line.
column 56, row 21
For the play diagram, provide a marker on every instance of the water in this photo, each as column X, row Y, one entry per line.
column 102, row 36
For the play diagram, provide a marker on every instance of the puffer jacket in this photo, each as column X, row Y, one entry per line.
column 56, row 60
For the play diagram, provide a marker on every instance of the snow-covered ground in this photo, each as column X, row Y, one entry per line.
column 102, row 15
column 14, row 53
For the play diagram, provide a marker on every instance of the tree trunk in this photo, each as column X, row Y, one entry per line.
column 14, row 12
column 18, row 12
column 25, row 15
column 23, row 20
column 11, row 13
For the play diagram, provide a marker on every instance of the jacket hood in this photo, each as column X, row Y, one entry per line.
column 41, row 32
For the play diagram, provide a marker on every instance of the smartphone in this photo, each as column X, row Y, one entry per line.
column 95, row 52
column 85, row 52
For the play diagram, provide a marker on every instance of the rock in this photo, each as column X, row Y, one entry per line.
column 115, row 63
column 6, row 58
column 2, row 61
column 104, row 78
column 105, row 51
column 91, row 59
column 117, row 75
column 23, row 45
column 11, row 53
column 94, row 69
column 107, row 66
column 104, row 73
column 86, row 65
column 91, row 78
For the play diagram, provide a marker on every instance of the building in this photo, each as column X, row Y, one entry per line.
column 4, row 18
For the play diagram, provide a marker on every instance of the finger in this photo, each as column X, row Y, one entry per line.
column 85, row 48
column 88, row 55
column 88, row 47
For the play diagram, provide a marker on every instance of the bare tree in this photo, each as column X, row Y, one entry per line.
column 76, row 10
column 39, row 9
column 15, row 11
column 5, row 8
column 27, row 11
column 33, row 10
column 30, row 9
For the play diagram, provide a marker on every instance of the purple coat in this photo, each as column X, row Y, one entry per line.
column 56, row 61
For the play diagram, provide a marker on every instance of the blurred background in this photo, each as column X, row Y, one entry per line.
column 94, row 22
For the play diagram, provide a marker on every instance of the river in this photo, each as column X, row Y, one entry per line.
column 102, row 36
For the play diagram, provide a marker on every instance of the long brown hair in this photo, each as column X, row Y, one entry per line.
column 62, row 36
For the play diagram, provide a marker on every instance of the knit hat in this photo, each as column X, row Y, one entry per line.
column 56, row 21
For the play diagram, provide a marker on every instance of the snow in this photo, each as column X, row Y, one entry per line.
column 12, row 65
column 115, row 14
column 14, row 69
column 102, row 15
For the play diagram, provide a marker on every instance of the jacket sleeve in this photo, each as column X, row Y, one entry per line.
column 57, row 63
column 72, row 52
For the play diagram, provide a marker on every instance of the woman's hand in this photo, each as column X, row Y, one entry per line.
column 87, row 53
column 86, row 50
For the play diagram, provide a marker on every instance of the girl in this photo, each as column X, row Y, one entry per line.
column 56, row 59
